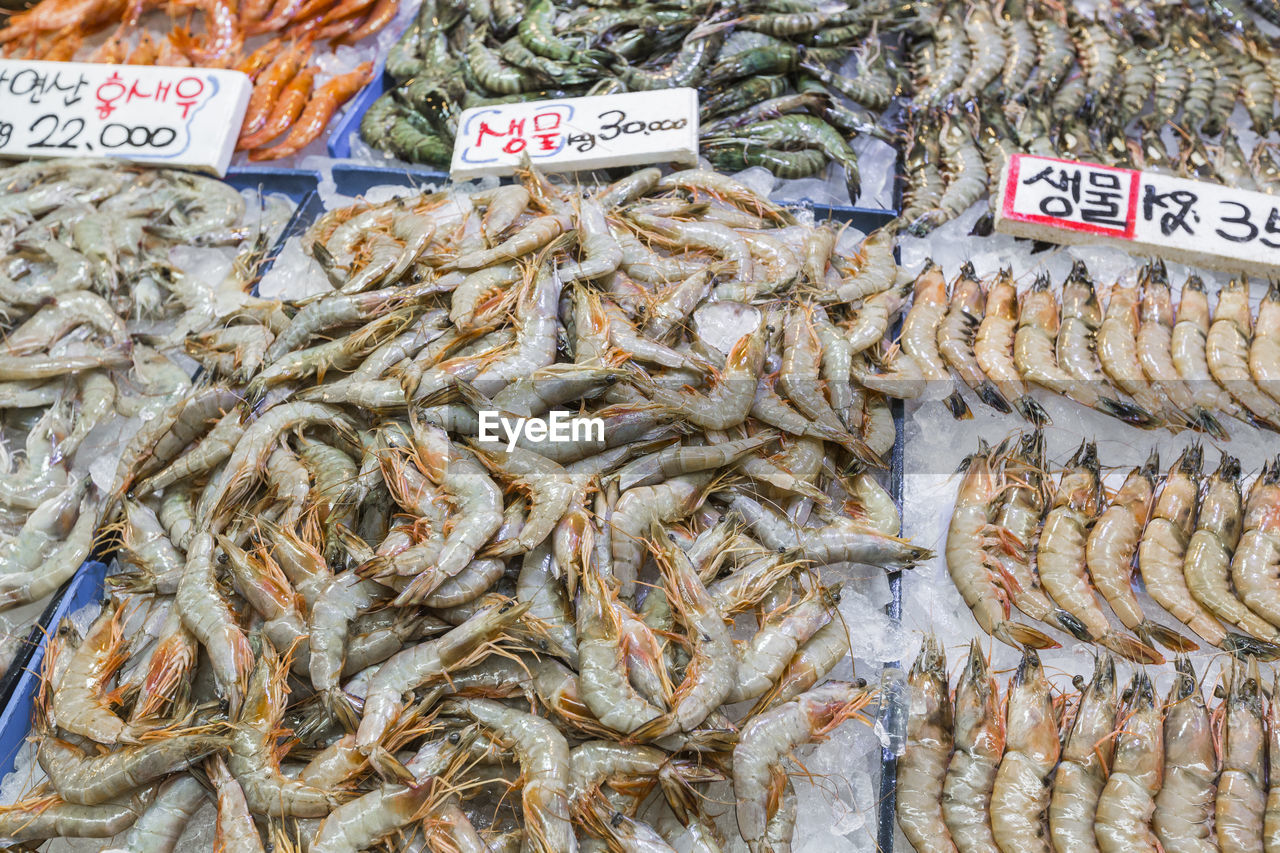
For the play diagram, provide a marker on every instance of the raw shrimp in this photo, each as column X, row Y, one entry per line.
column 1034, row 355
column 1227, row 353
column 1183, row 818
column 973, row 568
column 1189, row 350
column 922, row 768
column 543, row 754
column 1086, row 760
column 920, row 334
column 1128, row 800
column 979, row 744
column 1155, row 349
column 1242, row 793
column 994, row 347
column 1061, row 556
column 758, row 780
column 1020, row 797
column 1255, row 567
column 1207, row 565
column 1110, row 551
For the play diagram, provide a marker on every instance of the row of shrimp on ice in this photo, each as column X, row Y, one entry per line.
column 1108, row 769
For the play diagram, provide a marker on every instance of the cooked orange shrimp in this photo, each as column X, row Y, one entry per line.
column 1183, row 818
column 1061, row 555
column 1020, row 796
column 994, row 347
column 974, row 570
column 1086, row 757
column 268, row 86
column 922, row 768
column 285, row 111
column 1112, row 545
column 315, row 118
column 1242, row 792
column 1128, row 800
column 979, row 744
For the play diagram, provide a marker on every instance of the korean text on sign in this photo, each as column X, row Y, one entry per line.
column 578, row 133
column 1192, row 221
column 170, row 116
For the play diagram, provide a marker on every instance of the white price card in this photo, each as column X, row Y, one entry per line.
column 575, row 134
column 1065, row 201
column 146, row 114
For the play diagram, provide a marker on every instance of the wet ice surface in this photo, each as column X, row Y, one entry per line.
column 935, row 444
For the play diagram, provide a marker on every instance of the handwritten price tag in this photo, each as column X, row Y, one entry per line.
column 170, row 116
column 1199, row 223
column 575, row 134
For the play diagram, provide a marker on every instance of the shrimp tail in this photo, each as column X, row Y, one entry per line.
column 1154, row 633
column 389, row 767
column 1210, row 424
column 1130, row 648
column 341, row 709
column 425, row 583
column 659, row 726
column 1130, row 413
column 1242, row 646
column 989, row 394
column 958, row 407
column 1071, row 624
column 374, row 568
column 1023, row 636
column 1031, row 409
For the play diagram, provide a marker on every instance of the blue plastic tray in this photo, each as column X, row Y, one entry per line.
column 352, row 179
column 86, row 587
column 298, row 184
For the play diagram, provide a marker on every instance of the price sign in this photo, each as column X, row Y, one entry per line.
column 575, row 134
column 146, row 114
column 1198, row 223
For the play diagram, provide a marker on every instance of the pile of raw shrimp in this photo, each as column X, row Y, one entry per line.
column 94, row 311
column 352, row 610
column 272, row 42
column 1112, row 768
column 1138, row 359
column 1182, row 88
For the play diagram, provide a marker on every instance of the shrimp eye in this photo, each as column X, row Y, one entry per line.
column 223, row 557
column 454, row 737
column 859, row 682
column 617, row 819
